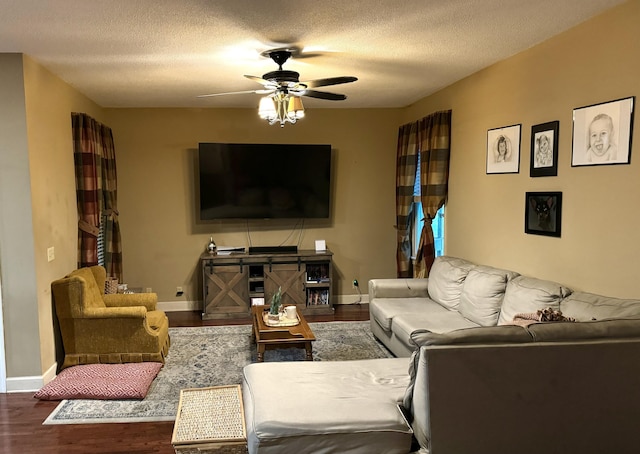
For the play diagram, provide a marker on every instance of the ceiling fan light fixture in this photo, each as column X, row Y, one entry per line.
column 267, row 108
column 296, row 109
column 281, row 107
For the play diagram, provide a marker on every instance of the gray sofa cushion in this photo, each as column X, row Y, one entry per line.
column 527, row 295
column 446, row 278
column 383, row 310
column 588, row 306
column 479, row 335
column 570, row 331
column 348, row 406
column 482, row 294
column 434, row 321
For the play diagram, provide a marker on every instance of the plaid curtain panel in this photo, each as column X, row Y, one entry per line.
column 406, row 162
column 112, row 243
column 94, row 158
column 434, row 137
column 86, row 156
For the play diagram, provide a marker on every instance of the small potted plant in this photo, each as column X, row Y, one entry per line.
column 274, row 307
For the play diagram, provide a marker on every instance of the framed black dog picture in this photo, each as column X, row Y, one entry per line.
column 543, row 213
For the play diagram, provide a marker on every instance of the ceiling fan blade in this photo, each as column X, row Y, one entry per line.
column 261, row 81
column 323, row 95
column 259, row 92
column 329, row 81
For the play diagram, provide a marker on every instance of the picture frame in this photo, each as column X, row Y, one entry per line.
column 503, row 149
column 602, row 133
column 544, row 149
column 543, row 213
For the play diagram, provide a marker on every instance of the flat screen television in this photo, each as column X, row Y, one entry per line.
column 263, row 181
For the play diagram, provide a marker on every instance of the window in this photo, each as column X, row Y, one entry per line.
column 437, row 225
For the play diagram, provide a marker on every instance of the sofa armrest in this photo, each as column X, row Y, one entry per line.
column 115, row 312
column 148, row 300
column 398, row 288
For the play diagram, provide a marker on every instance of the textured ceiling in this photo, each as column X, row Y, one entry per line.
column 163, row 53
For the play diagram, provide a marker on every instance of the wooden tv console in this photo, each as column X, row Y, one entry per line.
column 231, row 284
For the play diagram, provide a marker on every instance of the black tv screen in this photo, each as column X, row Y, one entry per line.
column 264, row 181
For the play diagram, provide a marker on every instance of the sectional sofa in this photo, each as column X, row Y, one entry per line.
column 460, row 300
column 465, row 379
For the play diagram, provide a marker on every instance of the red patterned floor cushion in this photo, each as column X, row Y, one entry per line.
column 101, row 381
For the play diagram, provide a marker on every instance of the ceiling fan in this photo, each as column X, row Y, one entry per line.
column 283, row 89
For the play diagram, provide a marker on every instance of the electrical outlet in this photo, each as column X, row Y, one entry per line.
column 51, row 254
column 179, row 291
column 355, row 283
column 148, row 290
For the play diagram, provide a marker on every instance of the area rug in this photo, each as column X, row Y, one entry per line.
column 212, row 356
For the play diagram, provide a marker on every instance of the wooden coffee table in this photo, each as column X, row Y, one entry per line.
column 271, row 337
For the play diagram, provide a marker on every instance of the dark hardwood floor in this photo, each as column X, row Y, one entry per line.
column 21, row 416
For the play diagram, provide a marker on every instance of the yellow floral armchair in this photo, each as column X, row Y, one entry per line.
column 111, row 328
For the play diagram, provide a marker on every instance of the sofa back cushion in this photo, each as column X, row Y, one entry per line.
column 588, row 306
column 570, row 331
column 527, row 295
column 446, row 279
column 479, row 335
column 482, row 294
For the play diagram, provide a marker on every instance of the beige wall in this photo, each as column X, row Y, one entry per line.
column 49, row 103
column 593, row 63
column 161, row 240
column 37, row 204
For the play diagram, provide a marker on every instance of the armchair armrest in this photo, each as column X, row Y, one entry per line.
column 148, row 300
column 398, row 288
column 115, row 312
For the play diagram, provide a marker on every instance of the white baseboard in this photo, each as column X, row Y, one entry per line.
column 31, row 384
column 176, row 306
column 351, row 299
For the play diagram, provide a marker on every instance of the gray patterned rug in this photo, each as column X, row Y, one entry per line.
column 212, row 356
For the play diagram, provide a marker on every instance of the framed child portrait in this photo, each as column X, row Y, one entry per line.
column 503, row 149
column 602, row 133
column 543, row 213
column 544, row 150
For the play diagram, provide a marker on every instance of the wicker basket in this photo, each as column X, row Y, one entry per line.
column 111, row 285
column 210, row 420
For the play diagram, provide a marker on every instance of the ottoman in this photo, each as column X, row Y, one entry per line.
column 346, row 407
column 210, row 420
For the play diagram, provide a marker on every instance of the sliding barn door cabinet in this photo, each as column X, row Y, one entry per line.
column 231, row 284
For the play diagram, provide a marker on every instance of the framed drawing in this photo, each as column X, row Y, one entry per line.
column 503, row 149
column 544, row 150
column 543, row 213
column 602, row 133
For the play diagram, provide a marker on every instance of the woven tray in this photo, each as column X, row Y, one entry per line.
column 284, row 321
column 210, row 420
